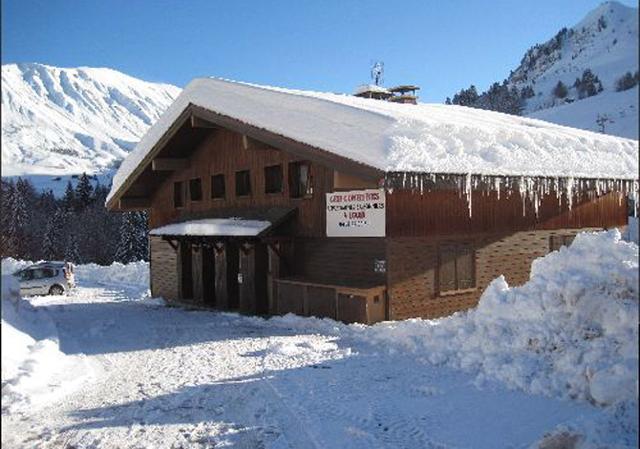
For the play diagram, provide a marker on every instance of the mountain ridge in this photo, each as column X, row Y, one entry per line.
column 62, row 121
column 605, row 42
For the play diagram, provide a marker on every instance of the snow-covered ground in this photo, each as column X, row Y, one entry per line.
column 553, row 360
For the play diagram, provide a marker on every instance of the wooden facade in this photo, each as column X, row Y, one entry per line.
column 435, row 259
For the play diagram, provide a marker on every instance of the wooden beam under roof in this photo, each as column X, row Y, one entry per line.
column 169, row 164
column 134, row 203
column 199, row 122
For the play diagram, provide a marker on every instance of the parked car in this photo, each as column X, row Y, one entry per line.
column 46, row 278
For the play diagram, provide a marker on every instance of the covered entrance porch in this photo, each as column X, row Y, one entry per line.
column 227, row 263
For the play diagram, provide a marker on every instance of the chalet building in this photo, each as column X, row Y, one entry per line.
column 272, row 201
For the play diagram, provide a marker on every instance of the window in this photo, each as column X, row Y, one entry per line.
column 300, row 180
column 195, row 189
column 217, row 186
column 243, row 183
column 558, row 241
column 43, row 273
column 25, row 275
column 456, row 267
column 273, row 179
column 178, row 194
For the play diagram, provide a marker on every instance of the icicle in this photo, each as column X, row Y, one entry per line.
column 468, row 193
column 569, row 190
column 496, row 183
column 522, row 191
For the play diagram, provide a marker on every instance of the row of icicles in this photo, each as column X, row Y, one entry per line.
column 531, row 188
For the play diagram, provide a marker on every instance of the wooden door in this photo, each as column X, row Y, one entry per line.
column 226, row 275
column 254, row 268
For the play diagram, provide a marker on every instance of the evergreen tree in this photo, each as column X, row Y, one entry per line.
column 72, row 249
column 69, row 198
column 466, row 97
column 53, row 243
column 84, row 191
column 448, row 101
column 589, row 85
column 133, row 244
column 628, row 81
column 8, row 242
column 560, row 91
column 527, row 92
column 20, row 218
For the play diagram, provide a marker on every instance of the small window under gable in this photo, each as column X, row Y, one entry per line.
column 300, row 179
column 273, row 179
column 243, row 183
column 456, row 270
column 218, row 189
column 178, row 194
column 195, row 189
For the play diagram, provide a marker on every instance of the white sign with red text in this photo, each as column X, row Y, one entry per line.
column 357, row 213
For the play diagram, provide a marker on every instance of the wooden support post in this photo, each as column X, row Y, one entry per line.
column 197, row 122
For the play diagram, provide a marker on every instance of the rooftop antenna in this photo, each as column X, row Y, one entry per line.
column 377, row 71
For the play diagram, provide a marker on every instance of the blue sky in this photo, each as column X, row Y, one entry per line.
column 440, row 45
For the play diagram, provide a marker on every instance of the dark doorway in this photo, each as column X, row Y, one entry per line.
column 186, row 273
column 208, row 275
column 261, row 269
column 254, row 264
column 196, row 257
column 231, row 253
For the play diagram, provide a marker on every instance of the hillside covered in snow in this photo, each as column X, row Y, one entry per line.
column 574, row 78
column 606, row 42
column 58, row 121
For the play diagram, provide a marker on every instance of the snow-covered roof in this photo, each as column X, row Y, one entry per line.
column 370, row 88
column 214, row 226
column 431, row 138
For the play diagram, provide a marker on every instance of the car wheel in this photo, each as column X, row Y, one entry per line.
column 56, row 290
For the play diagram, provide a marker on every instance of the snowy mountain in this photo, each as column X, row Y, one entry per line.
column 606, row 42
column 59, row 121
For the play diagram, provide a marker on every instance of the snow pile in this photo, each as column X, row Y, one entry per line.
column 11, row 265
column 431, row 138
column 571, row 331
column 34, row 370
column 632, row 233
column 214, row 226
column 131, row 274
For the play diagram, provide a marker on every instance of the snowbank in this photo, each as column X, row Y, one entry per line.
column 571, row 331
column 11, row 265
column 34, row 370
column 131, row 274
column 632, row 233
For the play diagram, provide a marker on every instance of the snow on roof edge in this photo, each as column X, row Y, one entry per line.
column 403, row 138
column 231, row 226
